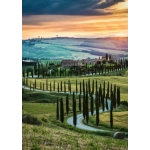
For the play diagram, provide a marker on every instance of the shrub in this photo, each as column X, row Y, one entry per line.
column 29, row 119
column 125, row 103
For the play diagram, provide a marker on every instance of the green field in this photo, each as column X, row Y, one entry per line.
column 121, row 81
column 53, row 134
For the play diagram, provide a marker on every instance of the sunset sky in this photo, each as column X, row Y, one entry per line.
column 74, row 18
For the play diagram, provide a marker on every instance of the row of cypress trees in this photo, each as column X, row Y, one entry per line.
column 86, row 104
column 67, row 86
column 97, row 68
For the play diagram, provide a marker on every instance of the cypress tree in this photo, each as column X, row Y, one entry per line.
column 83, row 87
column 92, row 105
column 96, row 85
column 84, row 105
column 111, row 116
column 74, row 113
column 54, row 85
column 61, row 110
column 67, row 104
column 87, row 108
column 97, row 110
column 32, row 73
column 43, row 86
column 80, row 102
column 58, row 87
column 69, row 85
column 35, row 83
column 70, row 88
column 61, row 86
column 57, row 110
column 93, row 87
column 76, row 87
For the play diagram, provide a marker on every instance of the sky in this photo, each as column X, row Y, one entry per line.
column 74, row 18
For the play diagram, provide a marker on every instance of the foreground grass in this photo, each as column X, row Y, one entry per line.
column 45, row 138
column 120, row 121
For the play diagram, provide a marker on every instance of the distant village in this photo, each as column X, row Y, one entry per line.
column 67, row 63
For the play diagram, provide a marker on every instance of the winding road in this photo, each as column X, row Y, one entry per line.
column 80, row 118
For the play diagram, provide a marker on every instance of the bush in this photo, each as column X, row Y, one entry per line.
column 29, row 119
column 125, row 103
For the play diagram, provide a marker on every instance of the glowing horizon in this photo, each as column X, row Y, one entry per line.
column 110, row 25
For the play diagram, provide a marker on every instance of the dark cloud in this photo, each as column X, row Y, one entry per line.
column 66, row 7
column 107, row 3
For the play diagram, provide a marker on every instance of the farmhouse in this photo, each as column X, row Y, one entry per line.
column 69, row 63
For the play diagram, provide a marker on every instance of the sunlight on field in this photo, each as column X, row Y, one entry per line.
column 119, row 81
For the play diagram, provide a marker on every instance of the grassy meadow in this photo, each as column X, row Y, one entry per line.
column 121, row 81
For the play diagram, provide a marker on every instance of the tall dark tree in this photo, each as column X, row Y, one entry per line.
column 50, row 87
column 61, row 86
column 106, row 56
column 84, row 110
column 93, row 87
column 87, row 108
column 43, row 86
column 61, row 110
column 54, row 85
column 97, row 109
column 35, row 83
column 70, row 88
column 83, row 87
column 76, row 87
column 67, row 104
column 96, row 86
column 111, row 116
column 92, row 105
column 58, row 87
column 32, row 73
column 57, row 110
column 74, row 112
